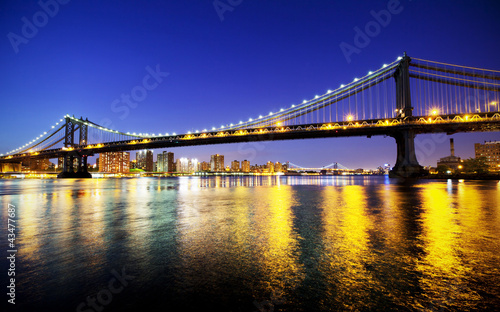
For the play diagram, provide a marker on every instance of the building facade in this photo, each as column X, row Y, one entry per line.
column 491, row 151
column 235, row 166
column 144, row 160
column 114, row 162
column 245, row 166
column 217, row 163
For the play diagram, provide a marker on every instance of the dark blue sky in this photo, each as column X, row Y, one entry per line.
column 263, row 55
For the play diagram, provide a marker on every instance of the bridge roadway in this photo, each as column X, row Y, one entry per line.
column 387, row 127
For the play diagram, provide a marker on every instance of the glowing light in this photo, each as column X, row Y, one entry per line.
column 278, row 124
column 293, row 105
column 213, row 128
column 370, row 72
column 281, row 110
column 356, row 79
column 173, row 133
column 317, row 96
column 349, row 117
column 260, row 116
column 434, row 112
column 329, row 91
column 493, row 103
column 303, row 102
column 384, row 66
column 53, row 127
column 250, row 119
column 399, row 58
column 270, row 113
column 241, row 122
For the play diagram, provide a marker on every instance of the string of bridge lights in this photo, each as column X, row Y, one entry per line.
column 23, row 147
column 282, row 111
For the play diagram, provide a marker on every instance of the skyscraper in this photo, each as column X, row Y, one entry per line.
column 217, row 163
column 235, row 166
column 489, row 150
column 144, row 160
column 114, row 162
column 245, row 166
column 160, row 163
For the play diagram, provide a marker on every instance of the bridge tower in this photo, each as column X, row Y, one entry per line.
column 406, row 165
column 70, row 156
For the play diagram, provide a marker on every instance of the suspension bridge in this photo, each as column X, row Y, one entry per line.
column 402, row 99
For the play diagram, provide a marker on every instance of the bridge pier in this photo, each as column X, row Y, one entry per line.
column 407, row 165
column 68, row 170
column 69, row 157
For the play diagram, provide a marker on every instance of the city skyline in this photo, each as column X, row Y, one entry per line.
column 257, row 59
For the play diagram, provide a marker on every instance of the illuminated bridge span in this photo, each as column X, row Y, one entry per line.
column 401, row 99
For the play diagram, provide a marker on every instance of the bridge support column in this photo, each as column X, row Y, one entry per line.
column 407, row 165
column 69, row 157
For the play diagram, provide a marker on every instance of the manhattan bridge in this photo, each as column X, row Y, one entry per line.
column 407, row 97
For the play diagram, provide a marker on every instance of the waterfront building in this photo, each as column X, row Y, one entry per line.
column 160, row 163
column 278, row 167
column 114, row 162
column 144, row 160
column 491, row 151
column 217, row 163
column 235, row 166
column 270, row 167
column 245, row 166
column 453, row 162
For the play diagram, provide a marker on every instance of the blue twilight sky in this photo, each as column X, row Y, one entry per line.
column 224, row 66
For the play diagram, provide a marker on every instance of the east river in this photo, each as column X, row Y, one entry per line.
column 252, row 244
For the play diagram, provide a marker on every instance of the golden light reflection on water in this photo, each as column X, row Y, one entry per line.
column 365, row 245
column 277, row 247
column 345, row 236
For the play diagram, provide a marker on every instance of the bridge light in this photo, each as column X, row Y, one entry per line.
column 260, row 116
column 278, row 124
column 281, row 110
column 270, row 113
column 329, row 91
column 399, row 58
column 384, row 66
column 250, row 119
column 173, row 133
column 317, row 96
column 213, row 128
column 53, row 127
column 349, row 117
column 293, row 105
column 370, row 72
column 241, row 122
column 303, row 102
column 356, row 79
column 493, row 103
column 434, row 112
column 60, row 120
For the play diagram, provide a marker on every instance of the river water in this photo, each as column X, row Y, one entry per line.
column 252, row 244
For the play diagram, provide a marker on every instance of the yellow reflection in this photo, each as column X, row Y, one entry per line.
column 443, row 271
column 279, row 247
column 346, row 239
